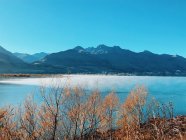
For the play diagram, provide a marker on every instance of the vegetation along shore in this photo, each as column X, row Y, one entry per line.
column 73, row 114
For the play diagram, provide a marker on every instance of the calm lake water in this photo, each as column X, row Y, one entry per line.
column 164, row 89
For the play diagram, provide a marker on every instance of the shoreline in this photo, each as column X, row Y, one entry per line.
column 12, row 75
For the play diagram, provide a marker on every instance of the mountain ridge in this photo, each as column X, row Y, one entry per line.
column 105, row 59
column 10, row 63
column 97, row 60
column 30, row 58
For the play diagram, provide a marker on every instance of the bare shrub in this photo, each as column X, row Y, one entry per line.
column 7, row 125
column 131, row 113
column 75, row 114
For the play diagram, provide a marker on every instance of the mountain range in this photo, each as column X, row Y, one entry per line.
column 101, row 59
column 10, row 63
column 30, row 58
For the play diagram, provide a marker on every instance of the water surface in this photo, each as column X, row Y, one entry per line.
column 165, row 89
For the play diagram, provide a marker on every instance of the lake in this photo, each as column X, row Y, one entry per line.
column 164, row 89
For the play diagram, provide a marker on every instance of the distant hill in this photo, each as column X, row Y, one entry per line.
column 105, row 59
column 30, row 58
column 10, row 63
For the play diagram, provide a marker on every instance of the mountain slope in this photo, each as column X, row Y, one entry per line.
column 30, row 58
column 10, row 63
column 104, row 59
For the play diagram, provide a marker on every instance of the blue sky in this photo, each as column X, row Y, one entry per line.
column 55, row 25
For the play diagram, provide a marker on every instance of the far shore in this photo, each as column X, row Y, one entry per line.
column 25, row 75
column 20, row 75
column 59, row 75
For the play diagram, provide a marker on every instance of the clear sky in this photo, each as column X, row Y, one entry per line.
column 55, row 25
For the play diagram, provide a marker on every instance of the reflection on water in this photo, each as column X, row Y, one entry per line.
column 14, row 91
